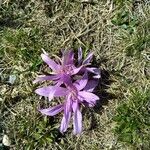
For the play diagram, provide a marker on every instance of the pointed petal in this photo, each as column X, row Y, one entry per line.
column 46, row 91
column 81, row 83
column 68, row 105
column 79, row 55
column 90, row 86
column 96, row 71
column 76, row 70
column 63, row 125
column 60, row 91
column 88, row 58
column 65, row 122
column 58, row 83
column 88, row 97
column 77, row 118
column 67, row 115
column 52, row 111
column 68, row 57
column 44, row 77
column 50, row 62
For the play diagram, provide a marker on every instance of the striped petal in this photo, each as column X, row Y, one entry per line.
column 66, row 117
column 81, row 83
column 76, row 70
column 44, row 78
column 52, row 111
column 88, row 58
column 46, row 91
column 88, row 97
column 77, row 118
column 68, row 57
column 50, row 62
column 95, row 71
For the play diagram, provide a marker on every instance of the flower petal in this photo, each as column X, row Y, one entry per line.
column 81, row 83
column 44, row 77
column 77, row 118
column 96, row 71
column 60, row 91
column 67, row 115
column 66, row 79
column 52, row 111
column 88, row 58
column 68, row 57
column 51, row 94
column 68, row 105
column 65, row 122
column 50, row 62
column 90, row 86
column 79, row 55
column 76, row 70
column 46, row 91
column 88, row 97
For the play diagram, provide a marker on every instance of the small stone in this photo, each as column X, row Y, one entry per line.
column 6, row 140
column 12, row 79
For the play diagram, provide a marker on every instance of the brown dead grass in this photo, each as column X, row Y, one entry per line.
column 75, row 24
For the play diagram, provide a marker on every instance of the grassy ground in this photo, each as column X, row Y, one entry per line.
column 119, row 33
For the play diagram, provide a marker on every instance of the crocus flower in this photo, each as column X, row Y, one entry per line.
column 76, row 94
column 61, row 72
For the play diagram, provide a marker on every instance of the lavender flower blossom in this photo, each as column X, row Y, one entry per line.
column 62, row 72
column 75, row 92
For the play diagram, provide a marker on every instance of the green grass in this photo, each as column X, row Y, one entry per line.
column 133, row 120
column 118, row 32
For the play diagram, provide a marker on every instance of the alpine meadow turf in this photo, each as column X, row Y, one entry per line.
column 117, row 31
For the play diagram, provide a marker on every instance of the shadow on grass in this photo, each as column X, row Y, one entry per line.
column 9, row 23
column 104, row 95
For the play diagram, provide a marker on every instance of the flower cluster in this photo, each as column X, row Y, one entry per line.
column 73, row 81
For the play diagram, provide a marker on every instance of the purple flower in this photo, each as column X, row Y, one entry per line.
column 62, row 71
column 76, row 94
